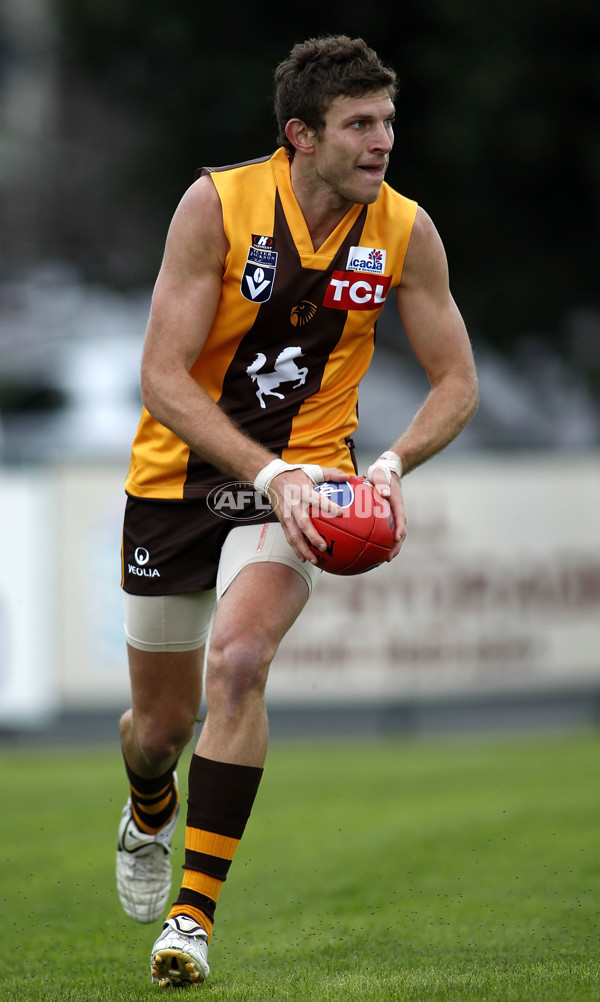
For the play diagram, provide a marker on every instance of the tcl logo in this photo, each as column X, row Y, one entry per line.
column 349, row 290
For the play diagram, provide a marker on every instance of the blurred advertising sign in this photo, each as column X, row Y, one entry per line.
column 94, row 672
column 496, row 589
column 29, row 598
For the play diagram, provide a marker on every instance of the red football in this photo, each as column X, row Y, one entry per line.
column 362, row 536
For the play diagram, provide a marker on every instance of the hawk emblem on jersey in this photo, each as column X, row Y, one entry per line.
column 302, row 313
column 285, row 370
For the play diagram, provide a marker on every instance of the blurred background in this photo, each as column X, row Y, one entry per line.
column 492, row 614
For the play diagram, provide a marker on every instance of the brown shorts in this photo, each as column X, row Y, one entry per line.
column 171, row 547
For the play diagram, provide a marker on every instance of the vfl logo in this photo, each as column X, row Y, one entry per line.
column 259, row 273
column 302, row 313
column 348, row 292
column 257, row 283
column 284, row 371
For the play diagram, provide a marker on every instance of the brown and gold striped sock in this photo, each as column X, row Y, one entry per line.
column 220, row 800
column 153, row 801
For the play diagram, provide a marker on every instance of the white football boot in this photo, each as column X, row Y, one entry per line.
column 144, row 867
column 179, row 955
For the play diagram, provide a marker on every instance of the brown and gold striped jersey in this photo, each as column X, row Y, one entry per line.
column 294, row 330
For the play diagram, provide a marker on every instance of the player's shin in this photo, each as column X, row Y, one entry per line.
column 220, row 799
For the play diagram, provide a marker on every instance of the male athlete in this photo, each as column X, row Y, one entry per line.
column 260, row 330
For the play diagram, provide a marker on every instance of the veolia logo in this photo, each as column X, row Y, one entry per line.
column 142, row 557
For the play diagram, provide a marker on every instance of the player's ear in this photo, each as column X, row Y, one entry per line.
column 300, row 135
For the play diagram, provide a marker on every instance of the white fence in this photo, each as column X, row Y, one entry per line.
column 496, row 590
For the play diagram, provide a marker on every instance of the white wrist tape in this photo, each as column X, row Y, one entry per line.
column 390, row 463
column 277, row 466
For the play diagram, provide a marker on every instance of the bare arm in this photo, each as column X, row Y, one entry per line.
column 184, row 305
column 439, row 339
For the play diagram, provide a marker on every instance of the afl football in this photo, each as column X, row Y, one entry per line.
column 362, row 536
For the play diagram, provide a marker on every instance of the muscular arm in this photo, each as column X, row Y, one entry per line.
column 184, row 304
column 439, row 339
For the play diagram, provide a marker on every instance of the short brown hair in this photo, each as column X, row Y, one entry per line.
column 321, row 69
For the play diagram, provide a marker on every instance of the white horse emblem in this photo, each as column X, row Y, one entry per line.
column 284, row 371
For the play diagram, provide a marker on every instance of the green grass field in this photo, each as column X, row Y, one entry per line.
column 417, row 870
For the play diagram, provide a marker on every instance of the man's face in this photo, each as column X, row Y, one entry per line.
column 352, row 151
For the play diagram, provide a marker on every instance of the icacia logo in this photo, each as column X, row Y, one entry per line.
column 370, row 259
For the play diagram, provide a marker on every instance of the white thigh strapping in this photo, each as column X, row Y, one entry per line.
column 171, row 623
column 168, row 622
column 262, row 542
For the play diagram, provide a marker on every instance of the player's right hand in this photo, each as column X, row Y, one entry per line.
column 292, row 496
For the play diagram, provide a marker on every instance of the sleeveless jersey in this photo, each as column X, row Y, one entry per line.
column 294, row 330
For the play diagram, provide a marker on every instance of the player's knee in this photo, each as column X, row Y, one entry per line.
column 238, row 668
column 160, row 741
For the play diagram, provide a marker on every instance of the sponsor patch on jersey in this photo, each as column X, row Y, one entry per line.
column 341, row 494
column 266, row 258
column 369, row 259
column 349, row 291
column 267, row 243
column 259, row 273
column 257, row 282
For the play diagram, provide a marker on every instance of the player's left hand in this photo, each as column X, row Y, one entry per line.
column 388, row 485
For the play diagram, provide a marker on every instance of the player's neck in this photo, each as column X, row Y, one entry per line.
column 322, row 209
